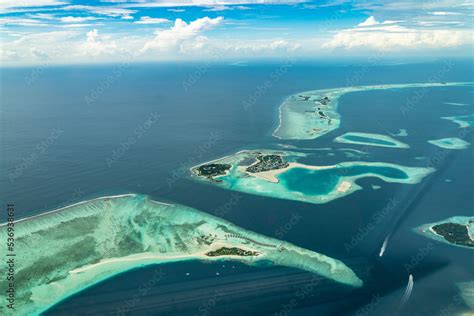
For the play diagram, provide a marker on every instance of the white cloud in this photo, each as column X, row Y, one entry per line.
column 38, row 46
column 96, row 45
column 76, row 25
column 149, row 20
column 387, row 36
column 77, row 19
column 21, row 21
column 181, row 32
column 10, row 5
column 369, row 22
column 226, row 8
column 104, row 10
column 42, row 16
column 203, row 3
column 176, row 10
column 445, row 13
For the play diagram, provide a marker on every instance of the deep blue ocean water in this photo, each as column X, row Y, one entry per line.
column 77, row 132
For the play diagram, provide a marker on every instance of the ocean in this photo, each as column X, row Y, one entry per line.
column 71, row 133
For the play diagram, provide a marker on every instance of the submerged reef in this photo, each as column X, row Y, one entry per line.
column 450, row 143
column 466, row 290
column 67, row 250
column 463, row 120
column 370, row 139
column 278, row 174
column 457, row 231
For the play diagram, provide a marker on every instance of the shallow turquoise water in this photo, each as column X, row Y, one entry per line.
column 368, row 140
column 320, row 182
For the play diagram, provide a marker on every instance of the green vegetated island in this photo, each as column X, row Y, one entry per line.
column 450, row 143
column 62, row 252
column 457, row 231
column 311, row 114
column 370, row 139
column 278, row 174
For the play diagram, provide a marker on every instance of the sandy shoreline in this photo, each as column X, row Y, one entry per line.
column 271, row 175
column 164, row 257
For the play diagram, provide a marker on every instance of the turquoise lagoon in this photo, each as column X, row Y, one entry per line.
column 450, row 143
column 303, row 180
column 307, row 183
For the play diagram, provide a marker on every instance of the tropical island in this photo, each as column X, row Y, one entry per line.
column 234, row 251
column 311, row 114
column 278, row 174
column 267, row 163
column 457, row 231
column 370, row 139
column 67, row 250
column 213, row 170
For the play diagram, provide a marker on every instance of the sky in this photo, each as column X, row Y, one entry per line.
column 75, row 32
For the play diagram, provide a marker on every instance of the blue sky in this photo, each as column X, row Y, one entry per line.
column 67, row 31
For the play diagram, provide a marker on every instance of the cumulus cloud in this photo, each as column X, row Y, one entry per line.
column 182, row 32
column 371, row 21
column 97, row 45
column 389, row 35
column 149, row 20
